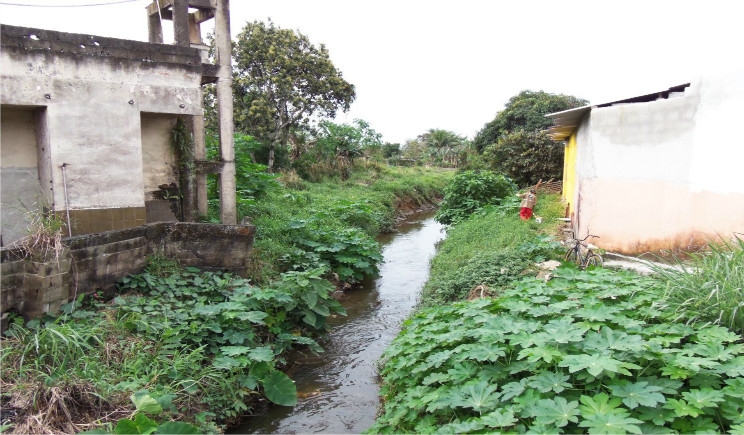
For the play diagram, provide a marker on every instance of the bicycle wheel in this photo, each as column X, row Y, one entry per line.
column 594, row 260
column 572, row 256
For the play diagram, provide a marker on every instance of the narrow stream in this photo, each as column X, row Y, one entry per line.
column 339, row 389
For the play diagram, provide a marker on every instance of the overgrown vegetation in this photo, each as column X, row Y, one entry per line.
column 708, row 287
column 205, row 346
column 585, row 352
column 470, row 191
column 593, row 350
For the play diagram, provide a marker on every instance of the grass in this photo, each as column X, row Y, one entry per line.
column 491, row 248
column 709, row 286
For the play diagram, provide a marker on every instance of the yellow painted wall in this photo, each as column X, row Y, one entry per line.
column 569, row 173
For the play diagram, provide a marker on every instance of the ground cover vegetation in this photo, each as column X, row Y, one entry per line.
column 589, row 351
column 205, row 346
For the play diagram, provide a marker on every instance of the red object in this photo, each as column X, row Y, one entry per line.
column 525, row 213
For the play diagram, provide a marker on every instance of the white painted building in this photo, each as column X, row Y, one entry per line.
column 661, row 171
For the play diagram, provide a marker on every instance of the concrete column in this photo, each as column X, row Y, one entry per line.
column 155, row 28
column 181, row 22
column 200, row 154
column 228, row 201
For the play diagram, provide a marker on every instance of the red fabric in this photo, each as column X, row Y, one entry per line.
column 525, row 213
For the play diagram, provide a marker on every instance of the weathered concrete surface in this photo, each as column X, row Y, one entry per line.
column 90, row 98
column 94, row 262
column 662, row 175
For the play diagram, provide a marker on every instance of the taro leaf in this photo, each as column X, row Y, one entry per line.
column 499, row 418
column 704, row 398
column 481, row 396
column 146, row 403
column 280, row 389
column 178, row 428
column 556, row 411
column 614, row 423
column 549, row 381
column 599, row 404
column 140, row 425
column 638, row 394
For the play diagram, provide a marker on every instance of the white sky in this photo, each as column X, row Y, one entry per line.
column 453, row 64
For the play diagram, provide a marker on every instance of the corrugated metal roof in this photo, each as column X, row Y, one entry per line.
column 565, row 122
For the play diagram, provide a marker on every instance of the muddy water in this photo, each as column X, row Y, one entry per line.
column 339, row 389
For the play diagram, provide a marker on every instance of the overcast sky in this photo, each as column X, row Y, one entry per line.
column 453, row 64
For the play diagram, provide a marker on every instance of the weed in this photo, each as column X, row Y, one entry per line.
column 709, row 287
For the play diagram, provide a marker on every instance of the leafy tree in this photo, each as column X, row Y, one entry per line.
column 280, row 81
column 515, row 143
column 525, row 111
column 526, row 157
column 437, row 147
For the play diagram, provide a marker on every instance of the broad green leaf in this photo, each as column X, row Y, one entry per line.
column 311, row 299
column 704, row 398
column 638, row 394
column 615, row 423
column 145, row 403
column 234, row 350
column 178, row 428
column 479, row 397
column 545, row 353
column 140, row 425
column 594, row 364
column 256, row 317
column 556, row 411
column 499, row 418
column 280, row 389
column 598, row 404
column 207, row 310
column 549, row 381
column 261, row 354
column 681, row 408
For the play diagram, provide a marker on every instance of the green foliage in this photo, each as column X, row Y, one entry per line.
column 470, row 191
column 525, row 111
column 142, row 424
column 585, row 352
column 438, row 148
column 514, row 142
column 281, row 80
column 708, row 288
column 349, row 253
column 526, row 157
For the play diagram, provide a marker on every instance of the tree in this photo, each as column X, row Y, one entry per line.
column 437, row 147
column 515, row 142
column 525, row 111
column 281, row 80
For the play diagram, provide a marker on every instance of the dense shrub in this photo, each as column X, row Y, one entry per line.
column 469, row 191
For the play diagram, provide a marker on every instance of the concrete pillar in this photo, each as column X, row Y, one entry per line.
column 223, row 45
column 181, row 22
column 200, row 154
column 155, row 28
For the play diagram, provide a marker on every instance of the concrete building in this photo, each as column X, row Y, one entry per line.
column 107, row 136
column 660, row 171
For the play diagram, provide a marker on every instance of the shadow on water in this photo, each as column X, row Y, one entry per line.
column 338, row 389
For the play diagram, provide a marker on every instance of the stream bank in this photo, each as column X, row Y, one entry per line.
column 338, row 389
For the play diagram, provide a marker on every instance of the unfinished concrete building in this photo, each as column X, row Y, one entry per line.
column 107, row 135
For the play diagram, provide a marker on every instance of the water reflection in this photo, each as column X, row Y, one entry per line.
column 339, row 389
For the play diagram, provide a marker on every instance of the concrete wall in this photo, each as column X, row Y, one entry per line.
column 20, row 192
column 93, row 92
column 94, row 262
column 661, row 175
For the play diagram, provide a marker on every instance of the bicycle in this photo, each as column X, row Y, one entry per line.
column 588, row 257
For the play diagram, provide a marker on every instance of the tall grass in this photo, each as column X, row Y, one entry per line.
column 709, row 287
